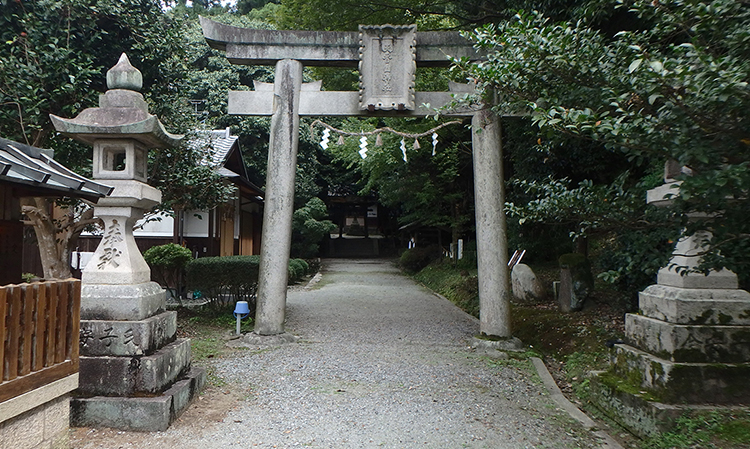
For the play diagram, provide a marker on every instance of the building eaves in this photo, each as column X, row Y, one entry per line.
column 34, row 167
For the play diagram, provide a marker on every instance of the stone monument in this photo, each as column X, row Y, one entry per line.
column 134, row 373
column 689, row 343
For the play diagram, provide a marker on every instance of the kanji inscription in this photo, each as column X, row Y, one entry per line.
column 387, row 67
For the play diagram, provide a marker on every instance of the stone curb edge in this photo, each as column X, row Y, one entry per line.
column 549, row 383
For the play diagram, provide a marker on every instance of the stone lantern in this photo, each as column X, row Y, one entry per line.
column 689, row 343
column 128, row 343
column 121, row 131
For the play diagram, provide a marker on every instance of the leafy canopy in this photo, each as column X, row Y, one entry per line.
column 676, row 89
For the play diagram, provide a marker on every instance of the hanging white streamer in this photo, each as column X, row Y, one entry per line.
column 324, row 140
column 434, row 142
column 403, row 149
column 363, row 146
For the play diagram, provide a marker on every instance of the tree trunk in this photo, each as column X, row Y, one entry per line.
column 582, row 245
column 55, row 237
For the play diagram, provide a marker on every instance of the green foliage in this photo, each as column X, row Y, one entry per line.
column 677, row 88
column 459, row 286
column 54, row 55
column 210, row 79
column 168, row 264
column 309, row 226
column 636, row 239
column 298, row 268
column 630, row 259
column 185, row 177
column 169, row 256
column 432, row 190
column 427, row 14
column 415, row 259
column 224, row 280
column 705, row 430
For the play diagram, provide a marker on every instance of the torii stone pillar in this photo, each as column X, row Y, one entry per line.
column 492, row 241
column 387, row 57
column 276, row 241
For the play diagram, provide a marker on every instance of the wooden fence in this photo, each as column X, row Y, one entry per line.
column 39, row 326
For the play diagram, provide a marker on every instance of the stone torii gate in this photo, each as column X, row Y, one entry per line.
column 387, row 57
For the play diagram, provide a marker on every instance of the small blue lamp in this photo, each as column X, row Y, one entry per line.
column 241, row 311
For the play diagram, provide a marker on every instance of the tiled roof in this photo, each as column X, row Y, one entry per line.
column 34, row 167
column 220, row 142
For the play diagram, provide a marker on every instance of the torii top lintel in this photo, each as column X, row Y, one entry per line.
column 246, row 46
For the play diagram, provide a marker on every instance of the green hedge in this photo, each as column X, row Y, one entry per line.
column 297, row 269
column 224, row 280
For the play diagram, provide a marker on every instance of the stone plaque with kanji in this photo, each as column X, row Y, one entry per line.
column 387, row 67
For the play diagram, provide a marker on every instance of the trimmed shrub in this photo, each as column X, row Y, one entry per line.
column 225, row 280
column 309, row 226
column 168, row 264
column 297, row 269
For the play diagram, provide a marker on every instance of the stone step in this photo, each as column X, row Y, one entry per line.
column 674, row 382
column 364, row 247
column 146, row 414
column 125, row 376
column 688, row 343
column 127, row 338
column 695, row 306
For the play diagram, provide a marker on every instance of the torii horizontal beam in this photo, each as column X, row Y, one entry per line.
column 246, row 46
column 341, row 103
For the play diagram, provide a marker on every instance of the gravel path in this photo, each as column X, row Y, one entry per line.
column 382, row 362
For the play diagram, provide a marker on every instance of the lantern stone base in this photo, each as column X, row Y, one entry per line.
column 122, row 302
column 146, row 414
column 134, row 373
column 682, row 382
column 127, row 338
column 687, row 350
column 127, row 376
